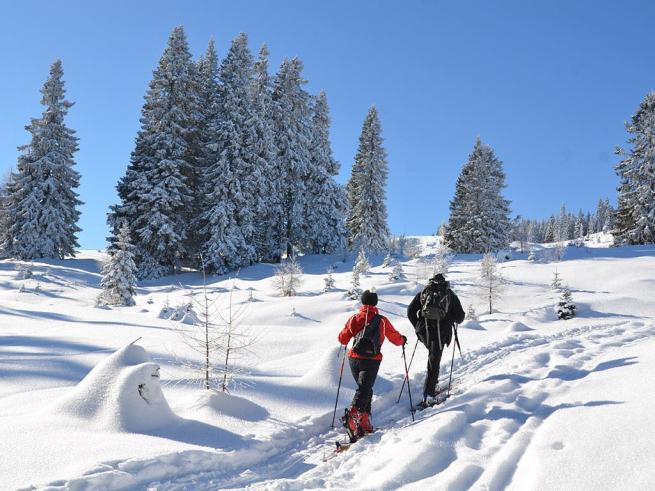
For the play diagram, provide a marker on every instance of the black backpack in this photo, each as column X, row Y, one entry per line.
column 367, row 341
column 435, row 303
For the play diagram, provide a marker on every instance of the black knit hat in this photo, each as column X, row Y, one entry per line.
column 370, row 298
column 438, row 278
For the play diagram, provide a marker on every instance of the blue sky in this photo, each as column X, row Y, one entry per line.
column 548, row 85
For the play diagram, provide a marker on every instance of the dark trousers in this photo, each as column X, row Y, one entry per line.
column 432, row 377
column 364, row 372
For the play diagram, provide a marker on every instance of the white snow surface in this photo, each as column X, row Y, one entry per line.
column 538, row 403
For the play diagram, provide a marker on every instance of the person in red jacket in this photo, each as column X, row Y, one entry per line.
column 369, row 329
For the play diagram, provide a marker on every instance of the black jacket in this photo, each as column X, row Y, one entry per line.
column 429, row 334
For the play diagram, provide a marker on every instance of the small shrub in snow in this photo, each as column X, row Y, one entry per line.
column 388, row 260
column 25, row 271
column 288, row 278
column 565, row 305
column 470, row 313
column 492, row 281
column 556, row 283
column 362, row 265
column 251, row 297
column 413, row 248
column 396, row 272
column 443, row 258
column 532, row 255
column 354, row 292
column 329, row 281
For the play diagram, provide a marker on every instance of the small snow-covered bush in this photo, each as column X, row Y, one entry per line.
column 25, row 271
column 470, row 313
column 396, row 272
column 565, row 306
column 532, row 255
column 556, row 282
column 354, row 292
column 388, row 261
column 288, row 278
column 329, row 281
column 362, row 265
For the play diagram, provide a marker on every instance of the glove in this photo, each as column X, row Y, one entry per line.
column 404, row 340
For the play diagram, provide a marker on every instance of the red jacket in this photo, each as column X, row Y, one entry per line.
column 357, row 322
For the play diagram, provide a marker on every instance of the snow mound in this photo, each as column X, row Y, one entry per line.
column 211, row 403
column 121, row 393
column 518, row 327
column 183, row 313
column 327, row 370
column 472, row 324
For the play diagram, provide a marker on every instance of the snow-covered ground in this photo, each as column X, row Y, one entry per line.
column 539, row 403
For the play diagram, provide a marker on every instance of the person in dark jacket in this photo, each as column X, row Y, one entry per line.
column 365, row 368
column 435, row 334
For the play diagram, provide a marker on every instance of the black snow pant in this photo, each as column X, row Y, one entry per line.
column 364, row 371
column 432, row 377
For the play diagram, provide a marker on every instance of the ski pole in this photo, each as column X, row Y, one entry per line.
column 405, row 379
column 452, row 362
column 409, row 389
column 343, row 361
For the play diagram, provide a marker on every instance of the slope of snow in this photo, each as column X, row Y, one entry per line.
column 531, row 407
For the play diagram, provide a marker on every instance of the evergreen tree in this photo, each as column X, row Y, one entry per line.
column 118, row 279
column 329, row 281
column 291, row 119
column 362, row 265
column 43, row 215
column 479, row 214
column 635, row 218
column 235, row 179
column 354, row 292
column 324, row 213
column 367, row 218
column 565, row 306
column 397, row 271
column 157, row 190
column 268, row 225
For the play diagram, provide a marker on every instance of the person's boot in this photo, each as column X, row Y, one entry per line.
column 366, row 423
column 351, row 421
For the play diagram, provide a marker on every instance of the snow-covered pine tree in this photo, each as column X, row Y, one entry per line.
column 329, row 281
column 291, row 117
column 492, row 281
column 388, row 260
column 635, row 217
column 532, row 256
column 207, row 74
column 354, row 292
column 325, row 212
column 234, row 179
column 470, row 313
column 396, row 272
column 157, row 190
column 6, row 191
column 367, row 217
column 43, row 212
column 579, row 229
column 479, row 214
column 118, row 278
column 565, row 305
column 362, row 265
column 268, row 226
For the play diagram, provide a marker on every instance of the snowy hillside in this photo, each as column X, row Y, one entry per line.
column 539, row 403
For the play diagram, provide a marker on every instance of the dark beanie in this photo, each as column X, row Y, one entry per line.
column 438, row 278
column 369, row 298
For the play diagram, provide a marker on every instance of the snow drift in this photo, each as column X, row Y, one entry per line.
column 122, row 393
